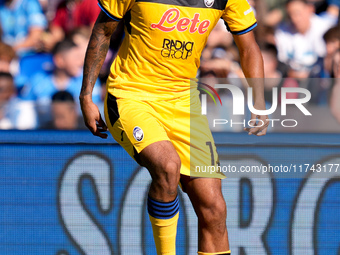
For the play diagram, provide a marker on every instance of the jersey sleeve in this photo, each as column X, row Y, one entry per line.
column 239, row 17
column 115, row 9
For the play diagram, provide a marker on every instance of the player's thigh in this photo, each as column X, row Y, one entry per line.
column 161, row 159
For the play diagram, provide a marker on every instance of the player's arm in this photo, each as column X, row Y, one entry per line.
column 95, row 55
column 252, row 67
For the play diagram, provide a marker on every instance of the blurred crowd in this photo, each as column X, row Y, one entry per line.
column 43, row 44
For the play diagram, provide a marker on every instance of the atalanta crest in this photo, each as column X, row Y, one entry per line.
column 138, row 134
column 209, row 3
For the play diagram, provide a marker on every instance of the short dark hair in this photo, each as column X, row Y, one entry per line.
column 62, row 96
column 7, row 52
column 332, row 34
column 270, row 48
column 62, row 46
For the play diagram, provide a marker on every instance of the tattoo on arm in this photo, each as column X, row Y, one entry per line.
column 96, row 51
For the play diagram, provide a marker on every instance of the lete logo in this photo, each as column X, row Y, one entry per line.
column 171, row 21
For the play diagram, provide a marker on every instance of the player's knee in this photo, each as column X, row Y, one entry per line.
column 171, row 176
column 168, row 177
column 214, row 213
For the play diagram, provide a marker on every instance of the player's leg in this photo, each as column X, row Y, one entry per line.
column 206, row 197
column 195, row 145
column 134, row 125
column 163, row 163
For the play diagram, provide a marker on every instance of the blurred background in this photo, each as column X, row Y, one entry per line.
column 43, row 43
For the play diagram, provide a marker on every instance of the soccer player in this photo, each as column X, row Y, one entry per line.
column 152, row 108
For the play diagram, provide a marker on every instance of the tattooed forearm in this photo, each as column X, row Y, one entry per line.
column 96, row 52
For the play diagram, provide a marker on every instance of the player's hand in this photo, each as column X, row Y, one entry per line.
column 258, row 124
column 92, row 118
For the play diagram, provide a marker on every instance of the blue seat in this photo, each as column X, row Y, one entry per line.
column 32, row 64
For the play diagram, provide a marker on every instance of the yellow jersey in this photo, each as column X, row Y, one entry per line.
column 163, row 42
